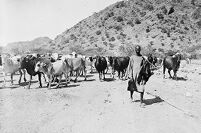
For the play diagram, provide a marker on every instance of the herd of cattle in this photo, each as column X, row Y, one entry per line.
column 55, row 65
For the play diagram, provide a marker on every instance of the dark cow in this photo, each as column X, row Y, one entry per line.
column 101, row 65
column 28, row 62
column 120, row 65
column 171, row 63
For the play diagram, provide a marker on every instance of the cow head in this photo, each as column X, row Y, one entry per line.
column 177, row 57
column 40, row 67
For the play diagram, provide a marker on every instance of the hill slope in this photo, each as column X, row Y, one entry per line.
column 157, row 25
column 38, row 44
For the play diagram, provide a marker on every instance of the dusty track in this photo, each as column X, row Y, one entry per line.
column 104, row 107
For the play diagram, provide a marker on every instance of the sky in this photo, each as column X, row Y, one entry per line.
column 25, row 20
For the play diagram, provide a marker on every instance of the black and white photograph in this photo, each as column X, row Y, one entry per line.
column 100, row 66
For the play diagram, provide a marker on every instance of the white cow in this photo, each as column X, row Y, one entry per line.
column 12, row 65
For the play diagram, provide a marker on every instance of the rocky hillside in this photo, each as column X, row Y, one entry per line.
column 157, row 25
column 36, row 45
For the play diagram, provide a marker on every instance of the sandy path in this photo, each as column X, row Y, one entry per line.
column 96, row 107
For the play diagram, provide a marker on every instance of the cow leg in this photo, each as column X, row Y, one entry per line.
column 29, row 82
column 59, row 81
column 39, row 79
column 85, row 74
column 164, row 71
column 91, row 69
column 106, row 70
column 99, row 75
column 141, row 99
column 11, row 77
column 103, row 75
column 4, row 79
column 175, row 74
column 20, row 76
column 50, row 78
column 169, row 73
column 24, row 72
column 76, row 76
column 66, row 77
column 44, row 77
column 131, row 95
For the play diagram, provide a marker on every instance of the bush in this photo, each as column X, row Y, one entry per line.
column 98, row 32
column 164, row 9
column 120, row 19
column 118, row 28
column 161, row 50
column 112, row 39
column 111, row 14
column 160, row 16
column 199, row 24
column 120, row 4
column 130, row 23
column 105, row 43
column 137, row 21
column 142, row 14
column 149, row 7
column 196, row 14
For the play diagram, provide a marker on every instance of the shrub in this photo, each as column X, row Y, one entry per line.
column 142, row 14
column 73, row 37
column 120, row 19
column 164, row 9
column 118, row 28
column 160, row 16
column 112, row 39
column 130, row 23
column 105, row 43
column 147, row 30
column 196, row 14
column 161, row 50
column 120, row 4
column 199, row 24
column 98, row 32
column 137, row 21
column 111, row 14
column 149, row 7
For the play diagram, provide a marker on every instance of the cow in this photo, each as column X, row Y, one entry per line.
column 139, row 72
column 89, row 62
column 12, row 65
column 109, row 60
column 77, row 65
column 171, row 63
column 57, row 68
column 101, row 65
column 28, row 62
column 120, row 65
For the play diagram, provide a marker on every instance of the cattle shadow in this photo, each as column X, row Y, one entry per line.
column 10, row 87
column 181, row 79
column 63, row 86
column 109, row 79
column 78, row 81
column 26, row 83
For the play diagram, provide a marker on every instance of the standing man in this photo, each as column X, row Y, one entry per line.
column 139, row 72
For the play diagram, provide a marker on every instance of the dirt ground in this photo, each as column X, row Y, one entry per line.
column 93, row 106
